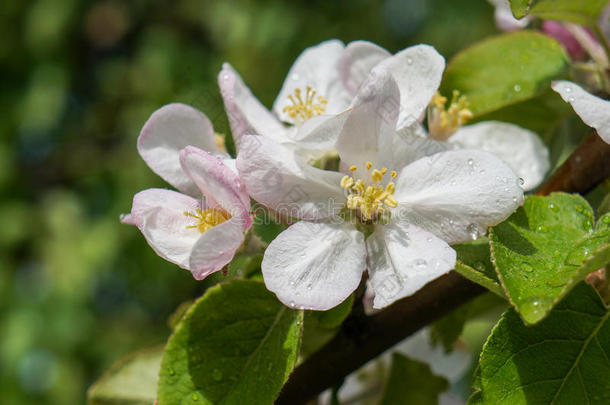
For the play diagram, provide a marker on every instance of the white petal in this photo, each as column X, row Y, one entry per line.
column 246, row 114
column 402, row 259
column 167, row 131
column 217, row 183
column 417, row 71
column 320, row 132
column 159, row 214
column 357, row 61
column 594, row 111
column 456, row 195
column 216, row 248
column 505, row 20
column 520, row 148
column 369, row 132
column 315, row 265
column 317, row 67
column 280, row 179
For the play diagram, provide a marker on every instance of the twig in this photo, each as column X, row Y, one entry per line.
column 362, row 338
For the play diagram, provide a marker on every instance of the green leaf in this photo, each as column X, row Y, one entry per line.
column 412, row 382
column 266, row 227
column 565, row 359
column 130, row 381
column 474, row 263
column 322, row 326
column 584, row 12
column 449, row 328
column 544, row 249
column 236, row 345
column 505, row 70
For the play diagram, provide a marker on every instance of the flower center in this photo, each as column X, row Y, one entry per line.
column 369, row 198
column 444, row 122
column 207, row 219
column 303, row 109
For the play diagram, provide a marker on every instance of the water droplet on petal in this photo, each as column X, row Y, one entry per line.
column 473, row 231
column 568, row 89
column 421, row 263
column 295, row 76
column 430, row 239
column 571, row 99
column 482, row 172
column 409, row 61
column 292, row 304
column 470, row 162
column 521, row 182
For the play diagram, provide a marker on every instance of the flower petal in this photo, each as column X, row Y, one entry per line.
column 357, row 61
column 216, row 248
column 456, row 195
column 167, row 131
column 217, row 183
column 417, row 71
column 246, row 114
column 159, row 214
column 282, row 180
column 402, row 259
column 505, row 20
column 317, row 67
column 520, row 148
column 369, row 132
column 315, row 265
column 594, row 111
column 319, row 133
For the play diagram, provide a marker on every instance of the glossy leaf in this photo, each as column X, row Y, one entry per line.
column 565, row 359
column 505, row 70
column 130, row 381
column 544, row 249
column 578, row 11
column 237, row 344
column 474, row 263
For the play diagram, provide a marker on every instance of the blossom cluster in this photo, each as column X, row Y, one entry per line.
column 412, row 178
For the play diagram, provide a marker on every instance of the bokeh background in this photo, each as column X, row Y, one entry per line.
column 79, row 78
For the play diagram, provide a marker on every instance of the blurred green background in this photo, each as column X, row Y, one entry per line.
column 79, row 78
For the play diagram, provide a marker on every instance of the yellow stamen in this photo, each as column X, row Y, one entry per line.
column 207, row 219
column 444, row 122
column 369, row 198
column 353, row 168
column 303, row 109
column 220, row 141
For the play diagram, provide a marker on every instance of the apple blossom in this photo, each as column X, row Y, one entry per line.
column 201, row 228
column 394, row 212
column 594, row 111
column 319, row 88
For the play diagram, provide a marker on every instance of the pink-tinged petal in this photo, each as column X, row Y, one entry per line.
column 315, row 265
column 417, row 72
column 217, row 183
column 246, row 114
column 594, row 111
column 456, row 195
column 167, row 131
column 520, row 148
column 282, row 180
column 357, row 61
column 127, row 219
column 216, row 248
column 159, row 214
column 316, row 67
column 402, row 259
column 555, row 29
column 369, row 132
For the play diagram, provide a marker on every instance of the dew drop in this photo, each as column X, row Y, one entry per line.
column 470, row 162
column 430, row 239
column 473, row 231
column 527, row 267
column 409, row 61
column 453, row 182
column 421, row 263
column 514, row 199
column 571, row 99
column 517, row 87
column 553, row 207
column 482, row 172
column 521, row 182
column 568, row 89
column 171, row 371
column 292, row 304
column 217, row 375
column 295, row 76
column 309, row 287
column 451, row 222
column 195, row 397
column 606, row 220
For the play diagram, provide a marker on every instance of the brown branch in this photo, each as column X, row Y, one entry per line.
column 362, row 338
column 588, row 166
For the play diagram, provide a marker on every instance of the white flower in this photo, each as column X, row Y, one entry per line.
column 201, row 229
column 320, row 87
column 411, row 209
column 594, row 111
